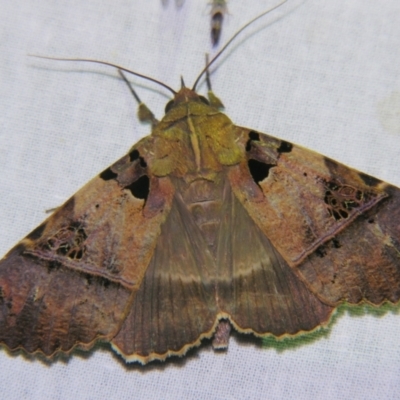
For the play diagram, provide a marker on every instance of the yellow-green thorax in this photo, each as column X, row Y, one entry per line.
column 193, row 138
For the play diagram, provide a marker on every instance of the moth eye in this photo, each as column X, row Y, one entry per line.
column 140, row 188
column 169, row 106
column 259, row 170
column 204, row 100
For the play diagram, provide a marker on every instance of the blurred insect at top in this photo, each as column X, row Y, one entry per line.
column 177, row 2
column 218, row 9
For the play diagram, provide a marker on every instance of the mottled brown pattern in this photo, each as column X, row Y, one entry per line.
column 363, row 262
column 203, row 225
column 46, row 307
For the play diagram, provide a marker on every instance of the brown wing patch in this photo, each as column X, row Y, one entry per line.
column 256, row 288
column 47, row 307
column 175, row 306
column 70, row 281
column 296, row 197
column 93, row 232
column 336, row 227
column 362, row 263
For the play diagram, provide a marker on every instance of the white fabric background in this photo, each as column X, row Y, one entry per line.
column 320, row 73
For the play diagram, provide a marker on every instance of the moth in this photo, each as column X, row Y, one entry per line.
column 201, row 226
column 218, row 10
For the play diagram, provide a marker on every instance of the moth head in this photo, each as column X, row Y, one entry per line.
column 184, row 95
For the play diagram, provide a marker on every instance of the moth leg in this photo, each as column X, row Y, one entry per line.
column 221, row 336
column 52, row 210
column 212, row 98
column 144, row 113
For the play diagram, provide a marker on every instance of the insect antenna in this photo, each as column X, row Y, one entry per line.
column 205, row 69
column 144, row 113
column 118, row 67
column 213, row 99
column 147, row 113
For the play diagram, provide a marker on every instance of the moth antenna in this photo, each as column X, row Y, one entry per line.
column 213, row 99
column 144, row 113
column 208, row 80
column 204, row 70
column 182, row 82
column 111, row 65
column 132, row 90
